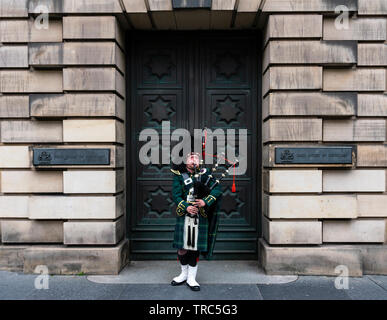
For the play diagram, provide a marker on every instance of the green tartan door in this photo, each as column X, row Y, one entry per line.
column 193, row 80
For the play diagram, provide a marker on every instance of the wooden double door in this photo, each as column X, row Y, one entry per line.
column 193, row 80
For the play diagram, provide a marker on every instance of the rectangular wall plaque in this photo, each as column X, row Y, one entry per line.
column 311, row 155
column 56, row 156
column 191, row 4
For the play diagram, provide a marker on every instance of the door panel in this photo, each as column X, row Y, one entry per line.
column 227, row 63
column 197, row 80
column 228, row 109
column 159, row 105
column 159, row 63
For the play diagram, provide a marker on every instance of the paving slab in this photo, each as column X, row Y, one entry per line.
column 365, row 289
column 379, row 280
column 21, row 286
column 15, row 286
column 209, row 272
column 305, row 288
column 76, row 289
column 207, row 292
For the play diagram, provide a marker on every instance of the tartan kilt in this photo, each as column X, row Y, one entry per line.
column 202, row 236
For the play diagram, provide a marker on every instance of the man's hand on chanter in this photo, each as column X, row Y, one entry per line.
column 192, row 210
column 200, row 203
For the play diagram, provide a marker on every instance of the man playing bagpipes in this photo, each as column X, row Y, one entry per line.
column 197, row 195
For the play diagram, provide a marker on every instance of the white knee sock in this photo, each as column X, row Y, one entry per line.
column 183, row 275
column 191, row 279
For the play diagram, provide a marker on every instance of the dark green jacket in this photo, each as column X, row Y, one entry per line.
column 208, row 217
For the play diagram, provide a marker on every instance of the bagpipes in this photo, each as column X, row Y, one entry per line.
column 213, row 170
column 204, row 188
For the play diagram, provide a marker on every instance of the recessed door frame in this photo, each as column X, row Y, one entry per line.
column 131, row 158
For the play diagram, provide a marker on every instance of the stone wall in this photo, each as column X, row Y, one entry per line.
column 65, row 88
column 62, row 87
column 325, row 86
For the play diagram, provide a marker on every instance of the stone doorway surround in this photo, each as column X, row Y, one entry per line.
column 66, row 88
column 194, row 79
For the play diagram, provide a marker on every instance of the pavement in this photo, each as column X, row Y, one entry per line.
column 219, row 280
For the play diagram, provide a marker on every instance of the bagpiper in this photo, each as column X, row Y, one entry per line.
column 197, row 196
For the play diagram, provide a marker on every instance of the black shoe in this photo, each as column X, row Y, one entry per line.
column 174, row 283
column 194, row 288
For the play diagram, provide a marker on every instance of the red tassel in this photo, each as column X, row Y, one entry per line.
column 233, row 188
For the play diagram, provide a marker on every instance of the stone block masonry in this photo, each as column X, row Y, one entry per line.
column 325, row 86
column 322, row 85
column 62, row 87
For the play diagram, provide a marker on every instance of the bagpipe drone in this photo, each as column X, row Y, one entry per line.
column 215, row 176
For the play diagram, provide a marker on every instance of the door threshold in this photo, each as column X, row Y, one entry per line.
column 209, row 272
